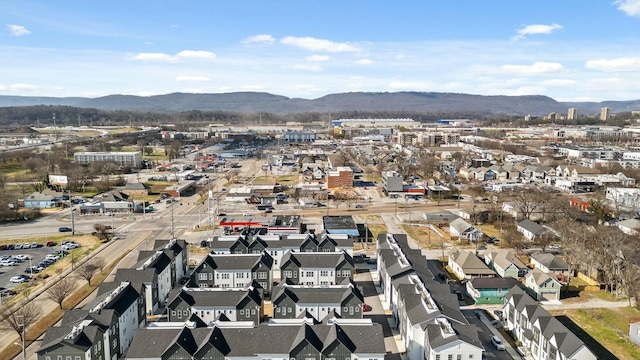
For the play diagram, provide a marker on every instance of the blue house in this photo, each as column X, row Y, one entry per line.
column 490, row 290
column 42, row 200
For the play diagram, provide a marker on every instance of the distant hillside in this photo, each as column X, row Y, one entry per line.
column 252, row 102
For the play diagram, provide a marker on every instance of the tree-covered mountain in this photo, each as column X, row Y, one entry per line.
column 255, row 102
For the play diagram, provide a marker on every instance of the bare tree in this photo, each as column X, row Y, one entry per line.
column 99, row 263
column 19, row 319
column 60, row 290
column 87, row 270
column 527, row 202
column 231, row 174
column 102, row 232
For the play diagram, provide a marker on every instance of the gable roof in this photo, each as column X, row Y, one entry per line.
column 551, row 261
column 470, row 263
column 531, row 226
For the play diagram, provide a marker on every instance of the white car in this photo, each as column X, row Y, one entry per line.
column 497, row 343
column 8, row 263
column 21, row 257
column 18, row 279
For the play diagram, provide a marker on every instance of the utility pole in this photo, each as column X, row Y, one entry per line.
column 55, row 127
column 173, row 234
column 73, row 224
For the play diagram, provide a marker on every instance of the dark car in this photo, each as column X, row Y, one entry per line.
column 64, row 229
column 10, row 247
column 51, row 243
column 31, row 270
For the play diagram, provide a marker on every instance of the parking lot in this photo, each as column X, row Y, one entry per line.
column 35, row 254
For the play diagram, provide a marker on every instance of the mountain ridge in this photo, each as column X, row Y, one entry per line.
column 253, row 102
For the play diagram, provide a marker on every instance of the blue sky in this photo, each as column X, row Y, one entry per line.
column 571, row 50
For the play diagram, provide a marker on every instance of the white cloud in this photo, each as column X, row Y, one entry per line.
column 259, row 39
column 20, row 88
column 192, row 78
column 196, row 54
column 314, row 44
column 318, row 58
column 536, row 29
column 153, row 57
column 629, row 7
column 612, row 65
column 182, row 55
column 18, row 30
column 559, row 82
column 535, row 68
column 308, row 67
column 364, row 62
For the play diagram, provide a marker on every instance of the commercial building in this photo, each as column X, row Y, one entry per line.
column 605, row 114
column 572, row 114
column 391, row 182
column 342, row 176
column 130, row 159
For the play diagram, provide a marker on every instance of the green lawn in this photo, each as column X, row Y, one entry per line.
column 12, row 167
column 603, row 330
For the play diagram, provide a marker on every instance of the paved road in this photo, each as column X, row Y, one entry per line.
column 130, row 244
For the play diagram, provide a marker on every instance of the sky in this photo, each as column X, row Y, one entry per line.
column 570, row 50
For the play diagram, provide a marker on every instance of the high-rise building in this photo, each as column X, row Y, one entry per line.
column 605, row 114
column 573, row 114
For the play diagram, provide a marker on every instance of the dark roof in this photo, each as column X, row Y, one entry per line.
column 338, row 222
column 494, row 283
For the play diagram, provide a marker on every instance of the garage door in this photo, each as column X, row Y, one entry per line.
column 550, row 296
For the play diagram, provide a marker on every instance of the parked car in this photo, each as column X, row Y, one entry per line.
column 4, row 291
column 497, row 324
column 35, row 245
column 17, row 247
column 8, row 262
column 26, row 246
column 497, row 343
column 366, row 307
column 498, row 313
column 22, row 257
column 51, row 243
column 3, row 247
column 478, row 313
column 31, row 270
column 18, row 279
column 64, row 229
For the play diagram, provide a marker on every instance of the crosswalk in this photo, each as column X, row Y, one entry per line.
column 151, row 227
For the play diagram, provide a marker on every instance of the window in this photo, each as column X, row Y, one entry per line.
column 450, row 357
column 470, row 356
column 225, row 276
column 262, row 275
column 295, row 274
column 458, row 357
column 241, row 312
column 240, row 276
column 78, row 358
column 210, row 276
column 287, row 274
column 324, row 273
column 47, row 358
column 309, row 273
column 202, row 276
